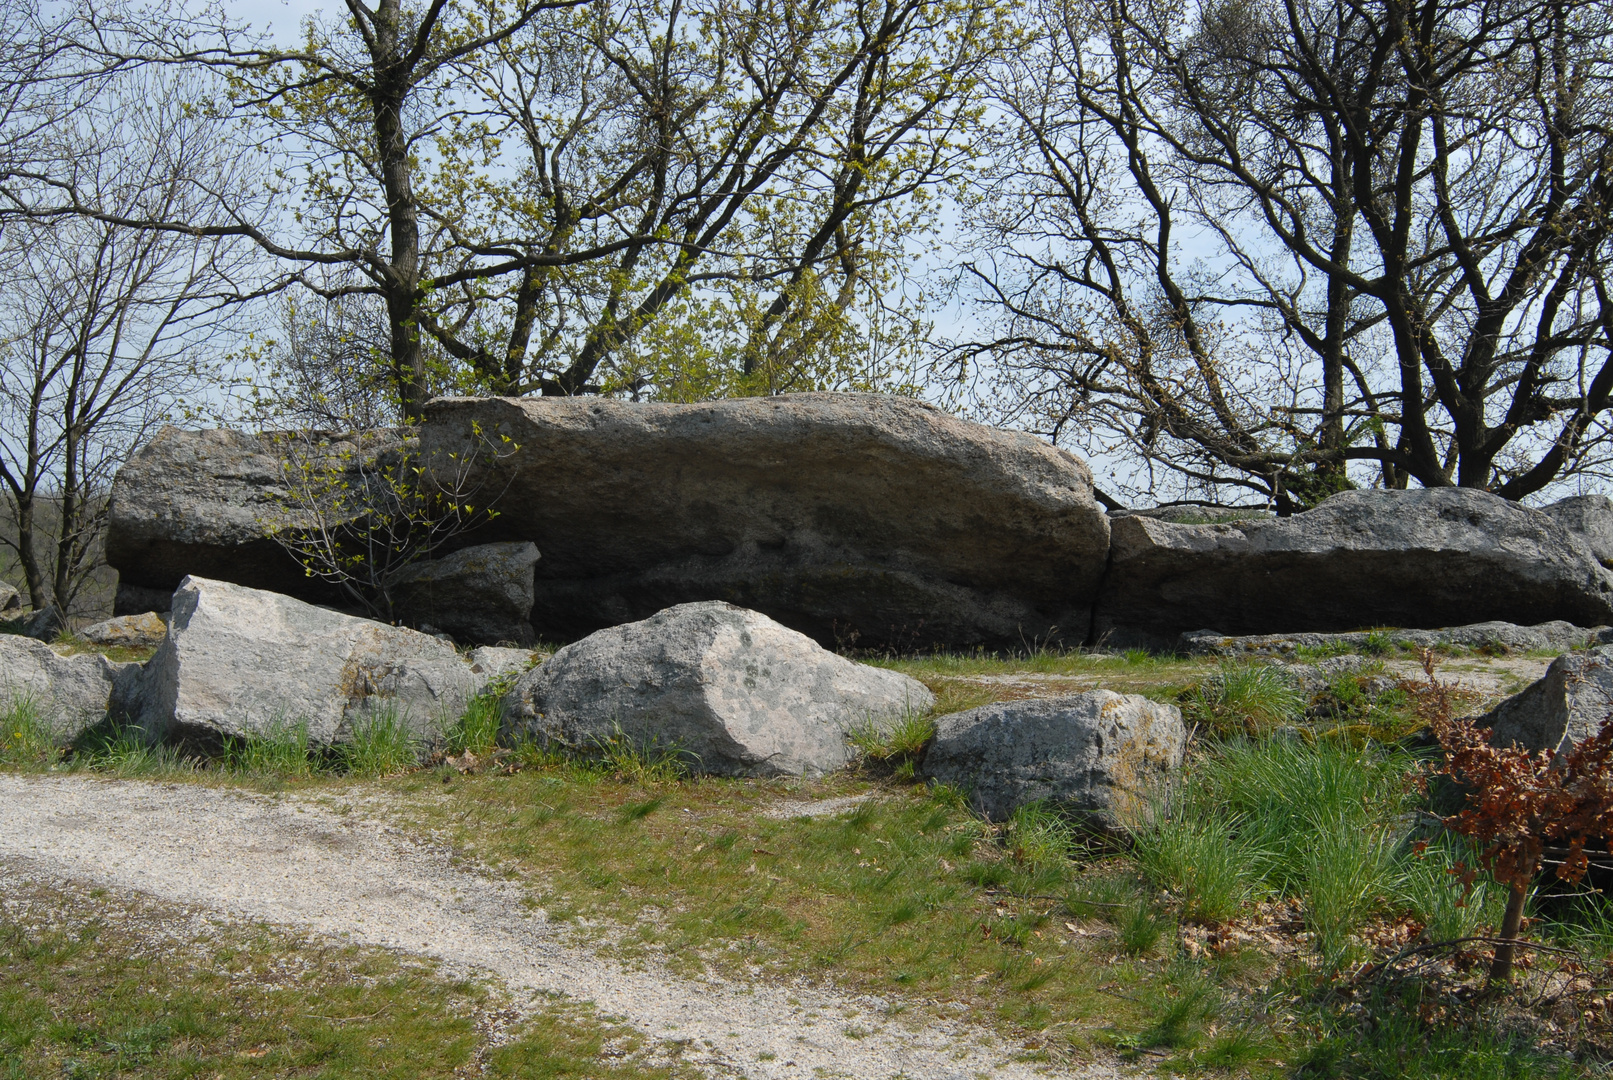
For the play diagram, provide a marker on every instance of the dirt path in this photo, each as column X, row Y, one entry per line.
column 289, row 861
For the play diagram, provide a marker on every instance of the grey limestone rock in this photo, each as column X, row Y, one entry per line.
column 70, row 692
column 491, row 662
column 129, row 631
column 1419, row 559
column 10, row 598
column 42, row 624
column 859, row 519
column 239, row 661
column 734, row 691
column 1566, row 705
column 1503, row 635
column 1099, row 754
column 1589, row 517
column 203, row 503
column 480, row 594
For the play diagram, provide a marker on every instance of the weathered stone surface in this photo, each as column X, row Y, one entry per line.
column 492, row 662
column 859, row 519
column 10, row 598
column 70, row 692
column 45, row 624
column 128, row 631
column 1100, row 754
column 1589, row 517
column 1497, row 635
column 1420, row 559
column 240, row 661
column 1566, row 705
column 202, row 503
column 480, row 594
column 736, row 692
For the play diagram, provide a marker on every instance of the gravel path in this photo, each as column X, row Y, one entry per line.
column 290, row 861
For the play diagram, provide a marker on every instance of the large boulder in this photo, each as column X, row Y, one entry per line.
column 1566, row 705
column 1104, row 756
column 241, row 662
column 10, row 598
column 859, row 519
column 204, row 503
column 480, row 594
column 70, row 693
column 1418, row 559
column 733, row 691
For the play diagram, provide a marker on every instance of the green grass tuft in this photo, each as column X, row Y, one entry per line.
column 379, row 744
column 27, row 739
column 893, row 744
column 281, row 750
column 1243, row 698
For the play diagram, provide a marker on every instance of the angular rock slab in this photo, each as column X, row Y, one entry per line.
column 859, row 519
column 1506, row 636
column 1417, row 559
column 481, row 594
column 71, row 693
column 735, row 692
column 10, row 599
column 243, row 662
column 1566, row 705
column 1099, row 754
column 202, row 503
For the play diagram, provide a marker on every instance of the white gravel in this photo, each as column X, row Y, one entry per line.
column 290, row 861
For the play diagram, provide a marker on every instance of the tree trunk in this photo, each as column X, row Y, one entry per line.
column 1501, row 966
column 28, row 552
column 403, row 214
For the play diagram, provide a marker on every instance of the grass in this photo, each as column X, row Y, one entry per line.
column 1243, row 698
column 893, row 746
column 98, row 986
column 27, row 739
column 282, row 751
column 379, row 744
column 1154, row 951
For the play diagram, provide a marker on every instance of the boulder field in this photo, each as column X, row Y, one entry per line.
column 864, row 522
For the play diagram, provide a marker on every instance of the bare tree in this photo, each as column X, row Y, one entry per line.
column 326, row 367
column 105, row 330
column 536, row 188
column 1247, row 243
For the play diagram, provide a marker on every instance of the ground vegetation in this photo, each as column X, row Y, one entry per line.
column 1301, row 910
